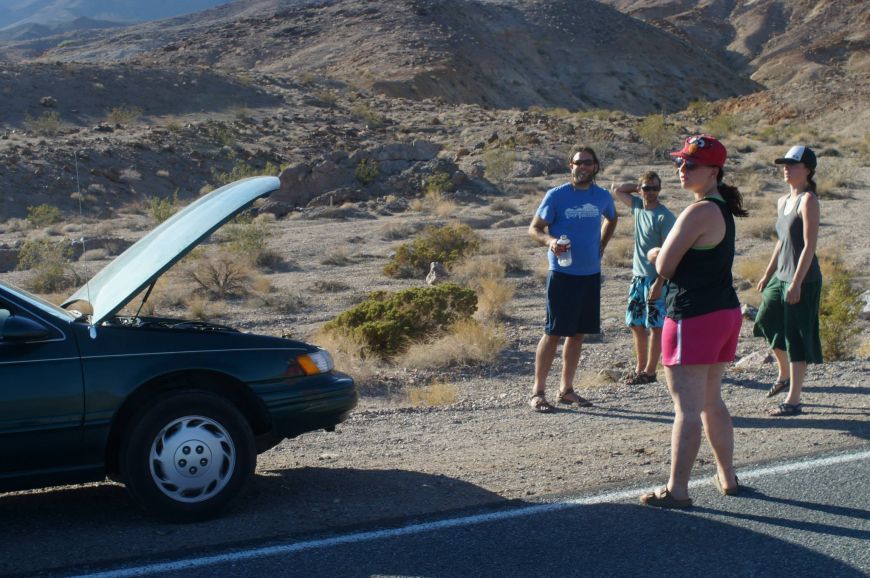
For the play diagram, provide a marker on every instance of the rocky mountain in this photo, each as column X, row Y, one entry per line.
column 52, row 14
column 567, row 53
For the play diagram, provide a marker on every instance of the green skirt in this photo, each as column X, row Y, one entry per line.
column 793, row 328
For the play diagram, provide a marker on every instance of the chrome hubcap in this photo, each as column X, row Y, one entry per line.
column 192, row 459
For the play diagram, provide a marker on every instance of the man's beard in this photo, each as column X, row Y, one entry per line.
column 583, row 178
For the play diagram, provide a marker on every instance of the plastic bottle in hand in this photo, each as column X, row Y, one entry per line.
column 563, row 251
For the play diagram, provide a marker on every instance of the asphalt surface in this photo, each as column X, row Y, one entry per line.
column 806, row 518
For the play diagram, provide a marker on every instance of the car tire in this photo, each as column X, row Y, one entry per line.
column 186, row 455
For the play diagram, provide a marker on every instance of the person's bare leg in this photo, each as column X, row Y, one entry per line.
column 570, row 359
column 718, row 426
column 796, row 385
column 687, row 386
column 782, row 364
column 544, row 355
column 655, row 351
column 638, row 332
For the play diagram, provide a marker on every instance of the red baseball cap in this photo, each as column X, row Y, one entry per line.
column 703, row 149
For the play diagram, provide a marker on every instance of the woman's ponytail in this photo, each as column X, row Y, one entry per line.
column 732, row 197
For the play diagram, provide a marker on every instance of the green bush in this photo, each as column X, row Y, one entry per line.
column 385, row 323
column 657, row 134
column 366, row 171
column 447, row 245
column 838, row 313
column 242, row 170
column 43, row 215
column 46, row 125
column 162, row 209
column 123, row 114
column 499, row 163
column 439, row 183
column 372, row 118
column 722, row 125
column 250, row 241
column 49, row 261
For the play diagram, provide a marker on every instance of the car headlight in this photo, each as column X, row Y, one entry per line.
column 319, row 361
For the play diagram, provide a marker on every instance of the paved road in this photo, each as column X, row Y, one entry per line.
column 808, row 518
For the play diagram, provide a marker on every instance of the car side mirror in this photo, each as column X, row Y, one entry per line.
column 14, row 328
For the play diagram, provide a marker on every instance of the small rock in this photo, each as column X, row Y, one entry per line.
column 48, row 101
column 865, row 311
column 748, row 311
column 437, row 273
column 755, row 359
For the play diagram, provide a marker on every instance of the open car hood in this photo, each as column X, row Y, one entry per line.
column 137, row 267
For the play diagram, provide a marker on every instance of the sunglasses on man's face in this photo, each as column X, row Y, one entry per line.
column 583, row 162
column 650, row 188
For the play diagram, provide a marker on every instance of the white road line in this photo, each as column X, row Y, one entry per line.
column 608, row 497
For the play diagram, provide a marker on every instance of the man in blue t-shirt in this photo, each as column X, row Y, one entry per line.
column 645, row 314
column 584, row 213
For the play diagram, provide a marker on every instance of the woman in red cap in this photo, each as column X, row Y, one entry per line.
column 699, row 337
column 792, row 284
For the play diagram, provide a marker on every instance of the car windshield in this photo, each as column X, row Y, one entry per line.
column 39, row 302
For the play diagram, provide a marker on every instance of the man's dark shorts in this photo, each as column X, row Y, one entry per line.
column 573, row 304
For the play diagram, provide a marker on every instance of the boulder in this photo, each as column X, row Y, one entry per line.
column 755, row 359
column 748, row 311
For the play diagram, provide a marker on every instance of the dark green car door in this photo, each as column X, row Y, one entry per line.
column 41, row 394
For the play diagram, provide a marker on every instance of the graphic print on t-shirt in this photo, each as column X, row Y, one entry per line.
column 587, row 211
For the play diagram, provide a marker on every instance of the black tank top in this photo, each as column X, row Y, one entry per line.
column 702, row 282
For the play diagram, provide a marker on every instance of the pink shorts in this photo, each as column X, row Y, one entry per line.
column 702, row 340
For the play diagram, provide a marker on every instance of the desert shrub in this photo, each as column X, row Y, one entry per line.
column 330, row 286
column 751, row 268
column 503, row 206
column 48, row 124
column 372, row 118
column 700, row 108
column 286, row 303
column 657, row 134
column 467, row 341
column 366, row 171
column 395, row 231
column 221, row 276
column 326, row 96
column 499, row 163
column 835, row 174
column 385, row 323
column 447, row 245
column 337, row 257
column 49, row 261
column 161, row 209
column 619, row 252
column 250, row 241
column 42, row 215
column 722, row 125
column 758, row 227
column 242, row 170
column 838, row 312
column 432, row 395
column 439, row 182
column 123, row 114
column 203, row 309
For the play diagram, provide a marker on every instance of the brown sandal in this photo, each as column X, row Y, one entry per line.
column 726, row 491
column 662, row 498
column 778, row 386
column 539, row 403
column 570, row 396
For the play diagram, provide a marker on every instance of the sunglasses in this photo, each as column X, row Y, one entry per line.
column 650, row 188
column 584, row 162
column 681, row 163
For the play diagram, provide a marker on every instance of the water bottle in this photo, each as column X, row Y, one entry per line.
column 563, row 251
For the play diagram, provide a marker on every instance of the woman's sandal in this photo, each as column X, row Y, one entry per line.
column 786, row 409
column 778, row 386
column 539, row 403
column 662, row 498
column 726, row 491
column 570, row 396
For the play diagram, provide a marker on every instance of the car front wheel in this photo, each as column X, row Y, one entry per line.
column 187, row 454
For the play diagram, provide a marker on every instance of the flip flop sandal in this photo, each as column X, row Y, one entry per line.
column 785, row 410
column 778, row 386
column 726, row 491
column 570, row 396
column 539, row 403
column 662, row 498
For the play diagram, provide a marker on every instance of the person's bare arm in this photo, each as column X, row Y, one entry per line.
column 771, row 265
column 692, row 226
column 810, row 214
column 623, row 193
column 539, row 230
column 608, row 226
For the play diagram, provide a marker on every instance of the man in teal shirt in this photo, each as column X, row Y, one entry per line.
column 645, row 314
